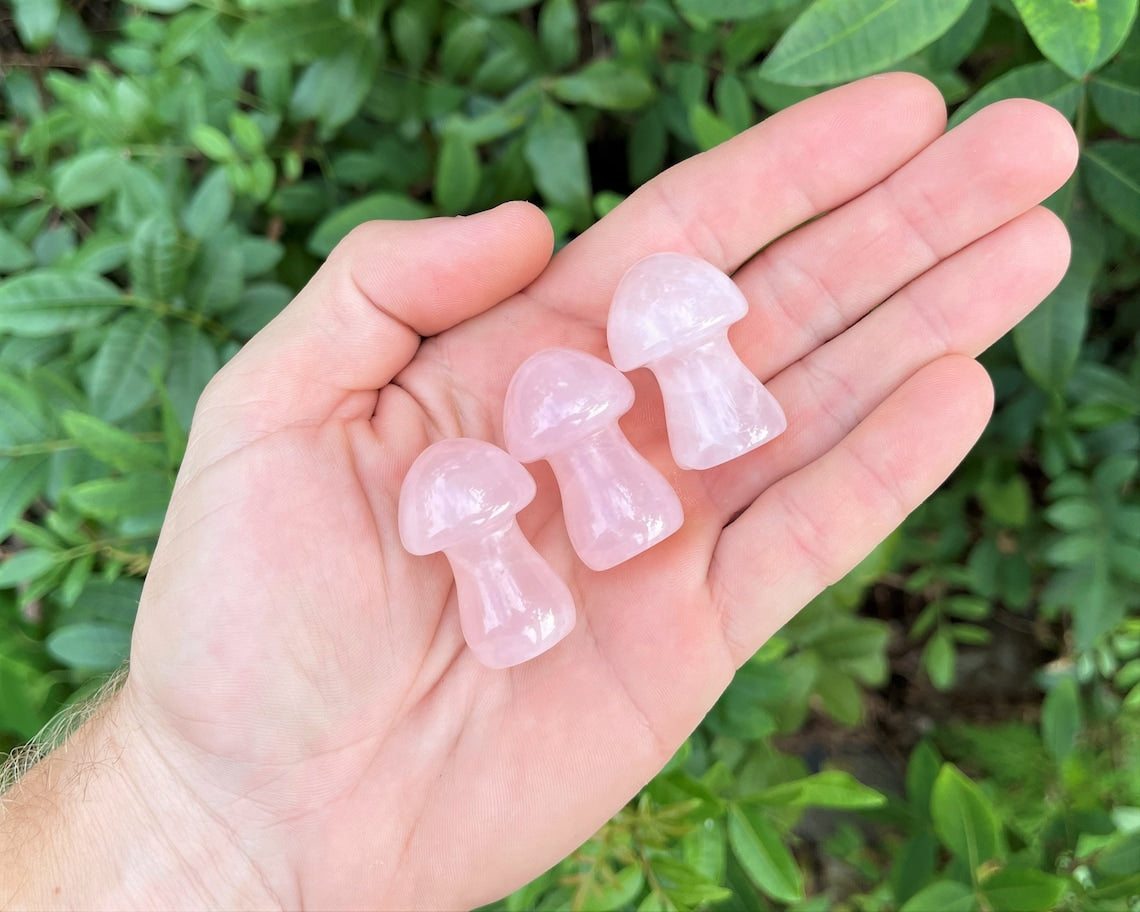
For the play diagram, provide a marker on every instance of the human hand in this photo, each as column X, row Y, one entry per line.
column 305, row 679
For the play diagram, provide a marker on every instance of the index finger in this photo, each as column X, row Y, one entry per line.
column 725, row 204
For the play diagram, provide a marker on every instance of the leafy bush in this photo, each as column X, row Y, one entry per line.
column 953, row 726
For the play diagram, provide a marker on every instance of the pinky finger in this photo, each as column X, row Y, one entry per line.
column 810, row 528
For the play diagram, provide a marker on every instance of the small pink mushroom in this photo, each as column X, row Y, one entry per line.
column 671, row 313
column 460, row 497
column 563, row 406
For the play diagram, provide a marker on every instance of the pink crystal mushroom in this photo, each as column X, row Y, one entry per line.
column 460, row 497
column 563, row 406
column 671, row 313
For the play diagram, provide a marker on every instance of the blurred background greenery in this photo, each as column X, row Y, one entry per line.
column 955, row 726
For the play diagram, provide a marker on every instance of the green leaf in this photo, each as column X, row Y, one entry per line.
column 618, row 891
column 838, row 40
column 115, row 601
column 412, row 25
column 23, row 417
column 78, row 573
column 210, row 206
column 161, row 6
column 605, row 84
column 558, row 32
column 90, row 647
column 914, row 865
column 943, row 896
column 721, row 10
column 708, row 129
column 704, row 848
column 733, row 102
column 332, row 89
column 964, row 820
column 1112, row 175
column 495, row 7
column 332, row 230
column 1049, row 339
column 215, row 281
column 1073, row 514
column 961, row 38
column 142, row 194
column 114, row 499
column 36, row 22
column 940, row 659
column 259, row 255
column 1115, row 91
column 556, row 153
column 24, row 691
column 1021, row 890
column 88, row 178
column 457, row 174
column 761, row 852
column 464, row 46
column 1121, row 856
column 109, row 444
column 122, row 375
column 99, row 253
column 840, row 694
column 1040, row 81
column 1007, row 501
column 259, row 304
column 193, row 361
column 158, row 259
column 21, row 482
column 48, row 302
column 247, row 135
column 648, row 144
column 300, row 35
column 1077, row 35
column 213, row 143
column 831, row 788
column 26, row 565
column 14, row 253
column 186, row 36
column 921, row 772
column 1061, row 718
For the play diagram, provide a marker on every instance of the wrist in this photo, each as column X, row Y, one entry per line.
column 105, row 822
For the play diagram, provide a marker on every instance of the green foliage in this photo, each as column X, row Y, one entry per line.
column 172, row 171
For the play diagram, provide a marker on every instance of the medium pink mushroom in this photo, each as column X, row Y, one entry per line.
column 460, row 497
column 671, row 313
column 563, row 406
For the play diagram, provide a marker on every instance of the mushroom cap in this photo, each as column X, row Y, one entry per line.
column 668, row 302
column 459, row 489
column 559, row 396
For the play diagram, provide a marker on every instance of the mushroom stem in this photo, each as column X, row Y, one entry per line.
column 512, row 605
column 715, row 408
column 615, row 503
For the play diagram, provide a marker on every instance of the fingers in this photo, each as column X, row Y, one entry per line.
column 727, row 203
column 962, row 305
column 811, row 284
column 361, row 317
column 809, row 529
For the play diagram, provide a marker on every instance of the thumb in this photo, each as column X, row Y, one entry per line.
column 360, row 319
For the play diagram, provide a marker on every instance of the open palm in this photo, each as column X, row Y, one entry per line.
column 307, row 678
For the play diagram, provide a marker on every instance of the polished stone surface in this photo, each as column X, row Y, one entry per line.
column 563, row 406
column 671, row 313
column 460, row 496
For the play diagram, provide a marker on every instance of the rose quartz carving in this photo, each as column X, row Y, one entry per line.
column 563, row 406
column 460, row 497
column 671, row 313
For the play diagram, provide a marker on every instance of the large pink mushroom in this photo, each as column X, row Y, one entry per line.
column 460, row 497
column 671, row 313
column 563, row 406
